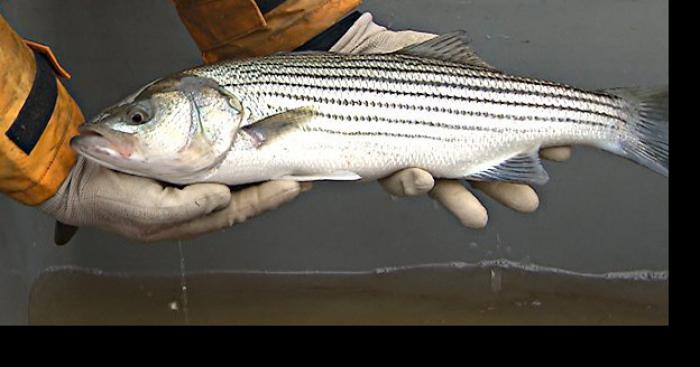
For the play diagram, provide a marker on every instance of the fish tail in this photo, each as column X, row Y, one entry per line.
column 645, row 139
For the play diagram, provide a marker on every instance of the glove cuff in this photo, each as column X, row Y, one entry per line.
column 366, row 37
column 60, row 205
column 357, row 35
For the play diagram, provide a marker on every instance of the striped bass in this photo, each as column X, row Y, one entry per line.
column 324, row 116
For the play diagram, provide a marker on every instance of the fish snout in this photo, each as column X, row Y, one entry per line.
column 95, row 141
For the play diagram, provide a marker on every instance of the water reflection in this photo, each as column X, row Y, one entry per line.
column 493, row 292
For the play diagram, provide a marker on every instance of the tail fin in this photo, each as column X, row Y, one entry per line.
column 646, row 141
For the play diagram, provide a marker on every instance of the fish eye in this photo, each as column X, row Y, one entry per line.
column 137, row 116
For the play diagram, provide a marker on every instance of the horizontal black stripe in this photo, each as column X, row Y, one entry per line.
column 372, row 118
column 386, row 134
column 401, row 62
column 32, row 119
column 399, row 65
column 431, row 83
column 386, row 105
column 428, row 94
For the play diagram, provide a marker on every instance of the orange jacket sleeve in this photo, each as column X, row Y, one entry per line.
column 37, row 119
column 226, row 29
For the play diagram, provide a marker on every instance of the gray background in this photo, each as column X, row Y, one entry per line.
column 599, row 213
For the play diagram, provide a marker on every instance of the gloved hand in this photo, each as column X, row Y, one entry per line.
column 365, row 36
column 145, row 210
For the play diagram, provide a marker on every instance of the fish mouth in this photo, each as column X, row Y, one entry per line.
column 100, row 145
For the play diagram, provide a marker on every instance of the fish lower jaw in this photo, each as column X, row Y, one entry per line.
column 109, row 152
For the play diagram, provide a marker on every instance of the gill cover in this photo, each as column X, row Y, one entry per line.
column 177, row 130
column 212, row 128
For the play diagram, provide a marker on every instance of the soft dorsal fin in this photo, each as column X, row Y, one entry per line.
column 448, row 47
column 279, row 124
column 524, row 168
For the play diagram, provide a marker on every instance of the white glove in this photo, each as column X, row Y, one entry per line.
column 143, row 209
column 365, row 36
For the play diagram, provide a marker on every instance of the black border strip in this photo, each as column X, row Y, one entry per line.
column 329, row 37
column 266, row 6
column 32, row 119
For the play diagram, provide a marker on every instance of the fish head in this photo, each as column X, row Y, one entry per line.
column 176, row 130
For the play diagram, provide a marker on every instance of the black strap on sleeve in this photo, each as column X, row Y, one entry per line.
column 325, row 40
column 266, row 5
column 329, row 37
column 32, row 119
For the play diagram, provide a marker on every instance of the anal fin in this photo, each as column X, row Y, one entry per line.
column 523, row 168
column 332, row 176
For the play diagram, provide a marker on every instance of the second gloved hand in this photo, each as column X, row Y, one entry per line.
column 145, row 210
column 365, row 36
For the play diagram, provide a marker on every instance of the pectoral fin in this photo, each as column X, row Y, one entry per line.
column 277, row 125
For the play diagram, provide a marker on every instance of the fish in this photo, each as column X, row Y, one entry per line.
column 309, row 116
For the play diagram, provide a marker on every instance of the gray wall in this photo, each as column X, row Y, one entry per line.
column 599, row 213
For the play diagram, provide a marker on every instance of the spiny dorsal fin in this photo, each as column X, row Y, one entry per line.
column 524, row 168
column 279, row 124
column 448, row 47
